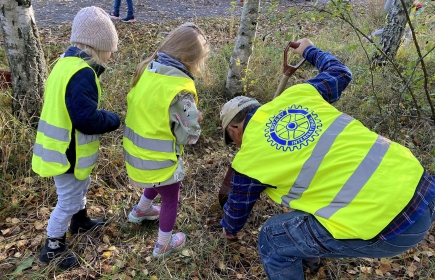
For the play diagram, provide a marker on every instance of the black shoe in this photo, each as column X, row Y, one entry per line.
column 128, row 19
column 81, row 221
column 55, row 250
column 312, row 264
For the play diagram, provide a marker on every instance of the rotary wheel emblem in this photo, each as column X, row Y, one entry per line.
column 292, row 128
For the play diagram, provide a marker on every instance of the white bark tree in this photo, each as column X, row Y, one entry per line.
column 25, row 57
column 243, row 47
column 394, row 29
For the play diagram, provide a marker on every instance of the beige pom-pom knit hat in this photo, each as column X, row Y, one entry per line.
column 93, row 27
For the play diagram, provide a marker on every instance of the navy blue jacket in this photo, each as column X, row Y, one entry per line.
column 81, row 99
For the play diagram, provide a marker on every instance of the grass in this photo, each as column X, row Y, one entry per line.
column 122, row 250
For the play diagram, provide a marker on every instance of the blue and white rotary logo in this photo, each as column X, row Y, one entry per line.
column 293, row 128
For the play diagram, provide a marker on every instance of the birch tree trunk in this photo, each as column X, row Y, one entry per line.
column 243, row 47
column 393, row 31
column 25, row 58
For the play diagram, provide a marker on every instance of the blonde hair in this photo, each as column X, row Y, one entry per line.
column 94, row 55
column 184, row 45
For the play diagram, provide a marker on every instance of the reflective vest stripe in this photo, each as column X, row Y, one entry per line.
column 85, row 138
column 146, row 164
column 88, row 161
column 54, row 132
column 49, row 155
column 147, row 143
column 358, row 179
column 313, row 162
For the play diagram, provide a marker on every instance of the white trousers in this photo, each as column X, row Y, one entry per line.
column 71, row 198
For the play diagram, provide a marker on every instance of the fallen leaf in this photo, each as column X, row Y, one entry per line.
column 38, row 225
column 366, row 269
column 29, row 180
column 186, row 252
column 24, row 265
column 106, row 239
column 111, row 248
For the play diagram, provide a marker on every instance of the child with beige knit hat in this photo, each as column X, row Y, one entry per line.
column 67, row 140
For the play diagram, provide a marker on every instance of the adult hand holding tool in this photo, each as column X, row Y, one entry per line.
column 288, row 70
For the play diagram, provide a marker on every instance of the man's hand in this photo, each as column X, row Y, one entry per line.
column 230, row 237
column 304, row 43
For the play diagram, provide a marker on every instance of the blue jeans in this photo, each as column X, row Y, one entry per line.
column 130, row 9
column 286, row 239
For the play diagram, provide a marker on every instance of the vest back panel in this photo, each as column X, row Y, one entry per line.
column 150, row 147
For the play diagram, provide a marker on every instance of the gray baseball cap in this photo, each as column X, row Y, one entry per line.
column 231, row 109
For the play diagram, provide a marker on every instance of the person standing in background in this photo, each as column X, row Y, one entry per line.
column 130, row 11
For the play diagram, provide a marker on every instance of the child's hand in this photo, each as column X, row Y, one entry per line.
column 304, row 43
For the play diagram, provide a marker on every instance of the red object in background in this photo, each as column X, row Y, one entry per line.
column 419, row 6
column 241, row 1
column 5, row 79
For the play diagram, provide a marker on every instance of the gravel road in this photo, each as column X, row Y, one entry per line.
column 57, row 12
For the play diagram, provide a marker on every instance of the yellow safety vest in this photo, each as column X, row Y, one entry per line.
column 150, row 148
column 328, row 164
column 53, row 136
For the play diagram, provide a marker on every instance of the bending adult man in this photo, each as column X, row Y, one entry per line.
column 355, row 193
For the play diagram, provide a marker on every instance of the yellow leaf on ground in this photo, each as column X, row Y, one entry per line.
column 29, row 180
column 107, row 254
column 106, row 239
column 186, row 252
column 38, row 225
column 379, row 272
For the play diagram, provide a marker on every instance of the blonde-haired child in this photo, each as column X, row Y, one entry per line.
column 161, row 118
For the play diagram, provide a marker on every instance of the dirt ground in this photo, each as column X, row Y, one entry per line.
column 57, row 12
